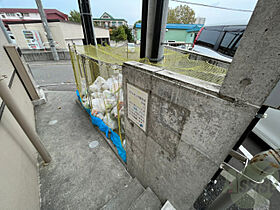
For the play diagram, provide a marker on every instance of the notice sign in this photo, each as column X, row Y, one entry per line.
column 137, row 101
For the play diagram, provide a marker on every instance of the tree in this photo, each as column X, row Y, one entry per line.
column 118, row 34
column 181, row 14
column 75, row 16
column 138, row 21
column 128, row 33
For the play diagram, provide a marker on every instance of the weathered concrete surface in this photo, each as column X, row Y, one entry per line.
column 78, row 177
column 148, row 201
column 255, row 70
column 125, row 198
column 190, row 131
column 32, row 55
column 192, row 126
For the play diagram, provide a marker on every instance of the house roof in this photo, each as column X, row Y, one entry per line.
column 22, row 10
column 110, row 18
column 188, row 27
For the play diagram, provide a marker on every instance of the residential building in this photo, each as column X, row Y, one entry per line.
column 32, row 35
column 176, row 34
column 18, row 15
column 106, row 21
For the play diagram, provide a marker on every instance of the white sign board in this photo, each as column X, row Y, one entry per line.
column 137, row 101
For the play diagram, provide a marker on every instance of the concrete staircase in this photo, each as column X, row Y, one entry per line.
column 134, row 197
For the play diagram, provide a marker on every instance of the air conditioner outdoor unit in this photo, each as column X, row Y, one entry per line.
column 19, row 14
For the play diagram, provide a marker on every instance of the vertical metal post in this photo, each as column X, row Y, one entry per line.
column 2, row 26
column 127, row 50
column 144, row 21
column 87, row 23
column 47, row 29
column 86, row 79
column 10, row 101
column 156, row 28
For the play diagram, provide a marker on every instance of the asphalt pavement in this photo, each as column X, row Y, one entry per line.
column 54, row 76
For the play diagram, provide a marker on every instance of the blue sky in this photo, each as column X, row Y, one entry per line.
column 131, row 9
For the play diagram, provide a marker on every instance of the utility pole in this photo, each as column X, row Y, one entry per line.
column 87, row 23
column 47, row 29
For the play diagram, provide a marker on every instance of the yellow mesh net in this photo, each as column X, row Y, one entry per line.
column 98, row 77
column 173, row 61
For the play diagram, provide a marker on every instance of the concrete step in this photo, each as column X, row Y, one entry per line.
column 126, row 197
column 147, row 200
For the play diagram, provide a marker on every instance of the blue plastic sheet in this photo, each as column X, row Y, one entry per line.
column 105, row 129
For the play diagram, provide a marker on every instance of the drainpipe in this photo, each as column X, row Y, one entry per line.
column 256, row 170
column 11, row 103
column 156, row 27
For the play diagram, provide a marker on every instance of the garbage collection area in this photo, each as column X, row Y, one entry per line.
column 98, row 76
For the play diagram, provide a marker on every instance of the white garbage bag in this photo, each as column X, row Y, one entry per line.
column 96, row 95
column 107, row 94
column 108, row 84
column 98, row 106
column 110, row 122
column 97, row 84
column 100, row 116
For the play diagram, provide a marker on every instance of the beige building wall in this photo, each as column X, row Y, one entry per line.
column 101, row 32
column 63, row 33
column 16, row 29
column 19, row 188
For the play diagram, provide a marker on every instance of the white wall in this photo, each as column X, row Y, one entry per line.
column 63, row 33
column 19, row 188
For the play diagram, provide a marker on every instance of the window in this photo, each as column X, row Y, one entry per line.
column 230, row 43
column 105, row 17
column 25, row 14
column 3, row 15
column 120, row 23
column 11, row 14
column 209, row 36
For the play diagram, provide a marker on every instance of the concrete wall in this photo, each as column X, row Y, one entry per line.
column 18, row 158
column 38, row 55
column 191, row 124
column 190, row 130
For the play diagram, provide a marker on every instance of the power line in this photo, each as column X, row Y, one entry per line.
column 216, row 7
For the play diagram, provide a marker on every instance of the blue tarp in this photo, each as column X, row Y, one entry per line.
column 105, row 129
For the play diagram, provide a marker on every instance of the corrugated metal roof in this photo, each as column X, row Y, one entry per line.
column 23, row 10
column 188, row 27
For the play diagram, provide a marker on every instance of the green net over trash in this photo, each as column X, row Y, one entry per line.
column 98, row 75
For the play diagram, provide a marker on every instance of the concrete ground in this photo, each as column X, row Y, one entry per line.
column 79, row 177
